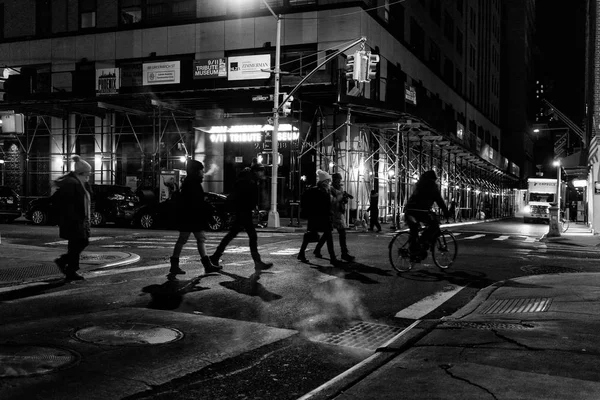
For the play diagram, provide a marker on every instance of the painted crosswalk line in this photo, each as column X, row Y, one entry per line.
column 427, row 304
column 473, row 237
column 502, row 237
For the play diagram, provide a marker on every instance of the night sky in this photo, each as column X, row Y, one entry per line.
column 561, row 43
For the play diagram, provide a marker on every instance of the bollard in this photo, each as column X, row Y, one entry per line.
column 554, row 227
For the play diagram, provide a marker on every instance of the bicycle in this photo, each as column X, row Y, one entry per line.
column 564, row 221
column 443, row 247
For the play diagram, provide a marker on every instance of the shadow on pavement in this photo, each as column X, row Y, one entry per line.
column 169, row 295
column 249, row 286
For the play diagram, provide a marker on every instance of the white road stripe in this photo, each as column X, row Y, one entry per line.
column 503, row 237
column 474, row 237
column 530, row 239
column 429, row 303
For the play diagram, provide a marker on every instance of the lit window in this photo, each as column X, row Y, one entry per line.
column 88, row 20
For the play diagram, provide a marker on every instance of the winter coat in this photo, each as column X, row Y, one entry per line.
column 373, row 207
column 244, row 198
column 317, row 207
column 69, row 202
column 425, row 194
column 193, row 212
column 338, row 208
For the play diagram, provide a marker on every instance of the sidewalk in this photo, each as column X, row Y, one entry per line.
column 533, row 337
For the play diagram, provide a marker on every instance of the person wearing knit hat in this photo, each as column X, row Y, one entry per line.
column 72, row 202
column 193, row 214
column 316, row 204
column 339, row 200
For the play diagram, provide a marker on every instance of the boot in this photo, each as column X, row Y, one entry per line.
column 175, row 270
column 302, row 257
column 261, row 265
column 214, row 260
column 209, row 266
column 347, row 257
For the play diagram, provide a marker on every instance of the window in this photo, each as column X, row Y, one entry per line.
column 417, row 38
column 459, row 41
column 472, row 57
column 43, row 17
column 435, row 11
column 449, row 71
column 459, row 81
column 1, row 20
column 170, row 9
column 131, row 12
column 299, row 62
column 296, row 3
column 471, row 91
column 448, row 27
column 87, row 14
column 434, row 57
column 472, row 20
column 460, row 6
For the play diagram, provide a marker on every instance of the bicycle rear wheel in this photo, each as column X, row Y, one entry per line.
column 444, row 249
column 399, row 252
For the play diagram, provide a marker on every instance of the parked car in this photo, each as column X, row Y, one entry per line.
column 10, row 204
column 156, row 214
column 110, row 203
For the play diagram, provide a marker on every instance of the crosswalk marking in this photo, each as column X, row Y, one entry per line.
column 427, row 304
column 474, row 237
column 530, row 239
column 502, row 237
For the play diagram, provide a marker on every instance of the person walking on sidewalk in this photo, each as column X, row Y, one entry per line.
column 374, row 211
column 451, row 211
column 339, row 200
column 193, row 214
column 316, row 203
column 72, row 202
column 243, row 200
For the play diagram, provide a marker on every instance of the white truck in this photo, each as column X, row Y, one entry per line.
column 540, row 193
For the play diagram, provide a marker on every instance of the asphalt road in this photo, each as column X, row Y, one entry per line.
column 315, row 299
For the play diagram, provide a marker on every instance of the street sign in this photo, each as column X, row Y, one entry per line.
column 262, row 97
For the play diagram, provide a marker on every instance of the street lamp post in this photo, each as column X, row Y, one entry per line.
column 556, row 163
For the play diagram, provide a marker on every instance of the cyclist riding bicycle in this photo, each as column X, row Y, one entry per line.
column 417, row 210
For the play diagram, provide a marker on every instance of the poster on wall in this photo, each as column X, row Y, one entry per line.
column 210, row 68
column 161, row 73
column 249, row 67
column 108, row 81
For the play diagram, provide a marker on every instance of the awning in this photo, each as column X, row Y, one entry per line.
column 575, row 165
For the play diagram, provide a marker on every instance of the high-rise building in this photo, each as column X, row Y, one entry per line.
column 139, row 86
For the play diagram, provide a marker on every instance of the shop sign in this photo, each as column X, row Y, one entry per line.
column 249, row 67
column 410, row 94
column 249, row 133
column 108, row 81
column 131, row 75
column 209, row 68
column 13, row 123
column 161, row 73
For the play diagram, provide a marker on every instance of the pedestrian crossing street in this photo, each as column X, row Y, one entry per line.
column 487, row 236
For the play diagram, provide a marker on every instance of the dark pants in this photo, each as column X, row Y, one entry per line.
column 71, row 258
column 343, row 243
column 413, row 219
column 240, row 224
column 374, row 220
column 326, row 237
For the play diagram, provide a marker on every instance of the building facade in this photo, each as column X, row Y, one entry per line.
column 140, row 86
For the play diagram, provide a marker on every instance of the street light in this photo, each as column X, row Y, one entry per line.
column 556, row 163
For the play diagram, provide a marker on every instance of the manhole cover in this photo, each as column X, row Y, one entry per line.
column 547, row 269
column 364, row 335
column 486, row 325
column 512, row 306
column 128, row 334
column 98, row 257
column 27, row 360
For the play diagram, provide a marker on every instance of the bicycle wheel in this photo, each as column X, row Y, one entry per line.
column 399, row 254
column 444, row 249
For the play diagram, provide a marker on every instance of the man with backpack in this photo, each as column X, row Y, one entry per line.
column 243, row 200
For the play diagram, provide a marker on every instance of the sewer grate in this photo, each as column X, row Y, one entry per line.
column 548, row 269
column 98, row 257
column 486, row 325
column 27, row 272
column 27, row 360
column 128, row 334
column 512, row 306
column 364, row 335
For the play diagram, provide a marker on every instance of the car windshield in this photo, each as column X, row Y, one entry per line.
column 543, row 197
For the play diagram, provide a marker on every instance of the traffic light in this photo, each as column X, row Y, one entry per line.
column 372, row 68
column 267, row 158
column 286, row 108
column 354, row 66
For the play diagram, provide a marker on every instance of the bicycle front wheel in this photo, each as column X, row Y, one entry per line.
column 444, row 249
column 399, row 252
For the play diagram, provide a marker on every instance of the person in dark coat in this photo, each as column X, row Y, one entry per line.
column 452, row 211
column 418, row 207
column 72, row 201
column 193, row 214
column 339, row 200
column 316, row 203
column 244, row 200
column 374, row 211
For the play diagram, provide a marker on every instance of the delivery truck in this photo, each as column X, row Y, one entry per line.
column 540, row 193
